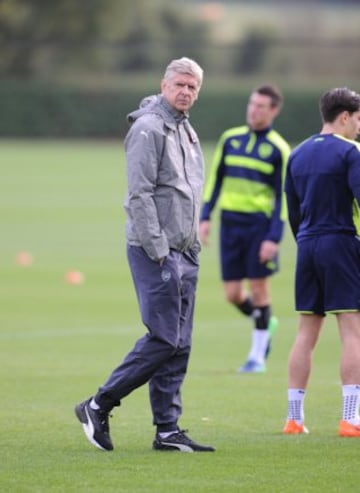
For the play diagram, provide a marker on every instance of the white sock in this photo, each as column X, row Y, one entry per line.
column 94, row 405
column 296, row 405
column 351, row 403
column 260, row 339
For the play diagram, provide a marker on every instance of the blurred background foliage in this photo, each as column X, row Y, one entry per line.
column 70, row 56
column 45, row 38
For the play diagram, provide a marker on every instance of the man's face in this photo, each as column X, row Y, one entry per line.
column 181, row 91
column 352, row 125
column 260, row 114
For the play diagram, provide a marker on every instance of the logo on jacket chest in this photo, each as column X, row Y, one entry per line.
column 165, row 275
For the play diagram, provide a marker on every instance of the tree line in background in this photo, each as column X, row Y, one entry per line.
column 76, row 68
column 47, row 38
column 38, row 36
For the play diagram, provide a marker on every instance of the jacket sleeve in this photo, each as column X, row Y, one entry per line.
column 144, row 148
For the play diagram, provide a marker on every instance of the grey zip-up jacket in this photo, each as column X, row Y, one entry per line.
column 165, row 168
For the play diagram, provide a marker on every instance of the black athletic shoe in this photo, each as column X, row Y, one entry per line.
column 95, row 424
column 178, row 441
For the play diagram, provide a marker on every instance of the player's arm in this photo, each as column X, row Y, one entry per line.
column 279, row 214
column 354, row 183
column 214, row 182
column 293, row 205
column 204, row 232
column 212, row 191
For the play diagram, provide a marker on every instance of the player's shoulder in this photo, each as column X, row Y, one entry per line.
column 308, row 144
column 235, row 132
column 348, row 142
column 278, row 141
column 299, row 147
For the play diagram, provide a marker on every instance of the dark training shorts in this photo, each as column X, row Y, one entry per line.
column 328, row 274
column 239, row 251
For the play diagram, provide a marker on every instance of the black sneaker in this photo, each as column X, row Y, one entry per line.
column 95, row 424
column 178, row 441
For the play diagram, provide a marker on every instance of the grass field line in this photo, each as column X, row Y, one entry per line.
column 53, row 332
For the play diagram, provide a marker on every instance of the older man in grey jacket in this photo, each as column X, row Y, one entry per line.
column 165, row 179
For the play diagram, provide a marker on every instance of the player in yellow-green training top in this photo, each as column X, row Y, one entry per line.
column 246, row 180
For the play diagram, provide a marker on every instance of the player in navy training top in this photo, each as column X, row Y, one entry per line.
column 322, row 187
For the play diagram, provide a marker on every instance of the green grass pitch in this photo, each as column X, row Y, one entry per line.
column 62, row 202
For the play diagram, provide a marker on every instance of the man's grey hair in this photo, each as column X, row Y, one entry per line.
column 187, row 66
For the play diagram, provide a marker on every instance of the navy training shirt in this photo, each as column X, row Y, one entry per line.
column 322, row 181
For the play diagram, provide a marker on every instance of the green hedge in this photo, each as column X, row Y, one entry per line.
column 34, row 110
column 41, row 110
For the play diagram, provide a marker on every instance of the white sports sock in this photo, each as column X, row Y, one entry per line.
column 296, row 405
column 260, row 339
column 351, row 403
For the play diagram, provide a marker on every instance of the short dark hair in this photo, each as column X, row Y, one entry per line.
column 337, row 100
column 273, row 92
